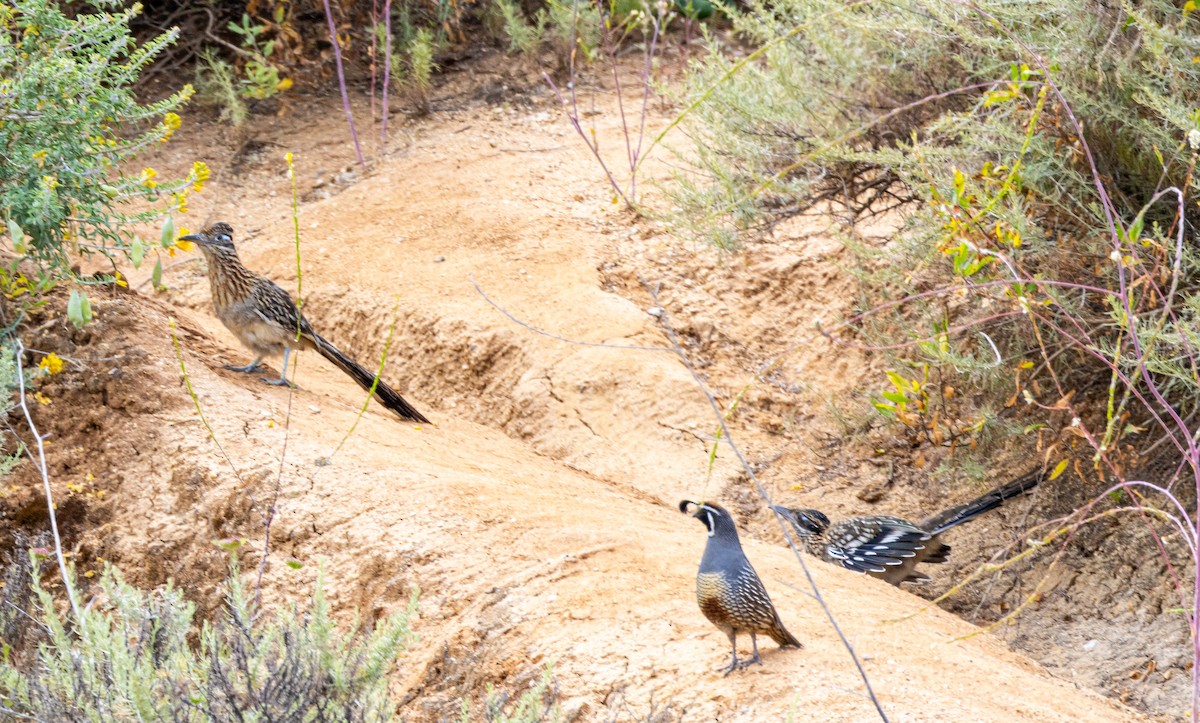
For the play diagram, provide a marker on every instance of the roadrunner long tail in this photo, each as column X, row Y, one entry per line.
column 387, row 396
column 955, row 516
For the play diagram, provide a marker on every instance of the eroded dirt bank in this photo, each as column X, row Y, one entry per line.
column 537, row 516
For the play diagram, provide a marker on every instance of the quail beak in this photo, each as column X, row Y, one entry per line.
column 684, row 504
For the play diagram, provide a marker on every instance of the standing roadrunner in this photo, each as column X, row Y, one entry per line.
column 890, row 547
column 264, row 317
column 728, row 589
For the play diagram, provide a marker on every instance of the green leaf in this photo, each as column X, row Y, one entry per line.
column 1135, row 228
column 18, row 237
column 168, row 233
column 156, row 276
column 79, row 309
column 895, row 397
column 137, row 251
column 229, row 544
column 294, row 564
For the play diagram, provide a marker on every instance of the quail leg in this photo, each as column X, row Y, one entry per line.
column 755, row 658
column 733, row 644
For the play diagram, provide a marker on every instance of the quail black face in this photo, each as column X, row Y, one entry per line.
column 706, row 513
column 806, row 521
column 219, row 234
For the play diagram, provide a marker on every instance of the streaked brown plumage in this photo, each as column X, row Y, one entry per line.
column 729, row 591
column 890, row 547
column 264, row 317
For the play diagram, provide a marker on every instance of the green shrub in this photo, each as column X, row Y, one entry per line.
column 129, row 659
column 539, row 704
column 421, row 68
column 573, row 27
column 70, row 122
column 216, row 85
column 523, row 36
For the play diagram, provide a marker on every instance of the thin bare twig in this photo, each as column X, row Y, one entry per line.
column 341, row 74
column 40, row 462
column 556, row 337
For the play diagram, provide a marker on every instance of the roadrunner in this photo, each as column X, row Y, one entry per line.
column 728, row 589
column 264, row 317
column 890, row 547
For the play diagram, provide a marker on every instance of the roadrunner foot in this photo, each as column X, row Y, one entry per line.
column 280, row 382
column 246, row 369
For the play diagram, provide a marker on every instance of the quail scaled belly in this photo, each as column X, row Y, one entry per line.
column 729, row 591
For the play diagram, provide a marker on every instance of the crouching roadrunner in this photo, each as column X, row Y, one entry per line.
column 728, row 589
column 264, row 317
column 890, row 547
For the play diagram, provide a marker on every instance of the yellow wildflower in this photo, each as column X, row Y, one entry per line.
column 40, row 157
column 180, row 244
column 51, row 364
column 181, row 201
column 200, row 174
column 171, row 123
column 41, row 398
column 50, row 182
column 148, row 175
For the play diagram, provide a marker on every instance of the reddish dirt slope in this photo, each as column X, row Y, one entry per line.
column 537, row 517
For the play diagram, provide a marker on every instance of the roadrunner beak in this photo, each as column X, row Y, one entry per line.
column 194, row 238
column 781, row 510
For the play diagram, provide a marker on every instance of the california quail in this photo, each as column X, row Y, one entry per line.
column 728, row 589
column 890, row 547
column 263, row 316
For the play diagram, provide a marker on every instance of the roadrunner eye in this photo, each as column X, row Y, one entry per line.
column 224, row 238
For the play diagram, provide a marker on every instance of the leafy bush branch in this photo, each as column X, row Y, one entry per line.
column 70, row 124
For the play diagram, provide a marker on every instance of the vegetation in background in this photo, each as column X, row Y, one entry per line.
column 217, row 86
column 536, row 705
column 1019, row 259
column 129, row 658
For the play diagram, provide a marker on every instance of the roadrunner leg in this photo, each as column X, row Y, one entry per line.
column 282, row 381
column 247, row 369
